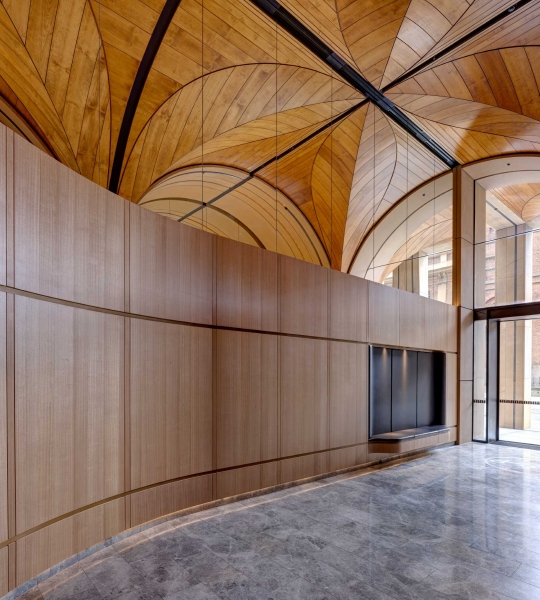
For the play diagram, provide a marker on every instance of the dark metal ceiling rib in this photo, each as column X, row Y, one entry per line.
column 137, row 88
column 484, row 27
column 285, row 19
column 306, row 37
column 274, row 159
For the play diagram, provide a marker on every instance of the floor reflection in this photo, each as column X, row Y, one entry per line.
column 459, row 523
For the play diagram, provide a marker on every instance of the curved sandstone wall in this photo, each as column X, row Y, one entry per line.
column 147, row 367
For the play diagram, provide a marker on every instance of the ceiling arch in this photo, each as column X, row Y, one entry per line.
column 233, row 108
column 254, row 212
column 418, row 220
column 226, row 82
column 53, row 64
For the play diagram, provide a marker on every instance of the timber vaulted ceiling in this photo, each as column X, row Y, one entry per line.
column 336, row 109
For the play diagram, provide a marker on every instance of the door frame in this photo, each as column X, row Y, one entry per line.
column 494, row 316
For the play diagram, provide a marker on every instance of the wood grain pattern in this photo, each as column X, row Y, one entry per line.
column 522, row 199
column 170, row 269
column 412, row 320
column 331, row 180
column 453, row 325
column 303, row 297
column 247, row 286
column 302, row 467
column 4, row 571
column 169, row 498
column 5, row 139
column 69, row 409
column 57, row 69
column 69, row 233
column 383, row 314
column 370, row 31
column 348, row 307
column 53, row 544
column 204, row 37
column 254, row 212
column 248, row 479
column 238, row 106
column 247, row 398
column 345, row 458
column 436, row 324
column 348, row 393
column 425, row 23
column 304, row 395
column 3, row 424
column 389, row 164
column 323, row 19
column 479, row 105
column 171, row 401
column 518, row 28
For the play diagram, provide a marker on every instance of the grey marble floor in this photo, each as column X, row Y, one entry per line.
column 463, row 522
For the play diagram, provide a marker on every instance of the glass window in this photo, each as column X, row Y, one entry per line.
column 507, row 245
column 411, row 246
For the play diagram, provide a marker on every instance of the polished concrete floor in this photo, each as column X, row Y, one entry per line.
column 463, row 522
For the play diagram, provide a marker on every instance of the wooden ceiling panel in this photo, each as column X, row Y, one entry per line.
column 436, row 230
column 425, row 23
column 321, row 17
column 370, row 28
column 39, row 33
column 61, row 80
column 228, row 87
column 254, row 212
column 317, row 177
column 189, row 149
column 87, row 80
column 19, row 11
column 16, row 117
column 389, row 164
column 242, row 33
column 228, row 109
column 64, row 46
column 204, row 36
column 522, row 199
column 331, row 182
column 480, row 105
column 292, row 173
column 469, row 145
column 477, row 14
column 520, row 28
column 252, row 155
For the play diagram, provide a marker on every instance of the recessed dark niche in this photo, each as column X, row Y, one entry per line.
column 407, row 393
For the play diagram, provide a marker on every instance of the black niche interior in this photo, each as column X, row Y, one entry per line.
column 407, row 393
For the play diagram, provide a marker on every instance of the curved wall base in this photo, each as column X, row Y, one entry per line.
column 388, row 461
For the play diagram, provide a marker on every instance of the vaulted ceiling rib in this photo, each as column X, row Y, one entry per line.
column 130, row 92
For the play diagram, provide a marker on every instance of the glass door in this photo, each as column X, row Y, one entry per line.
column 519, row 381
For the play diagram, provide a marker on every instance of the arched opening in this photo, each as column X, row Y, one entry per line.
column 411, row 246
column 254, row 213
